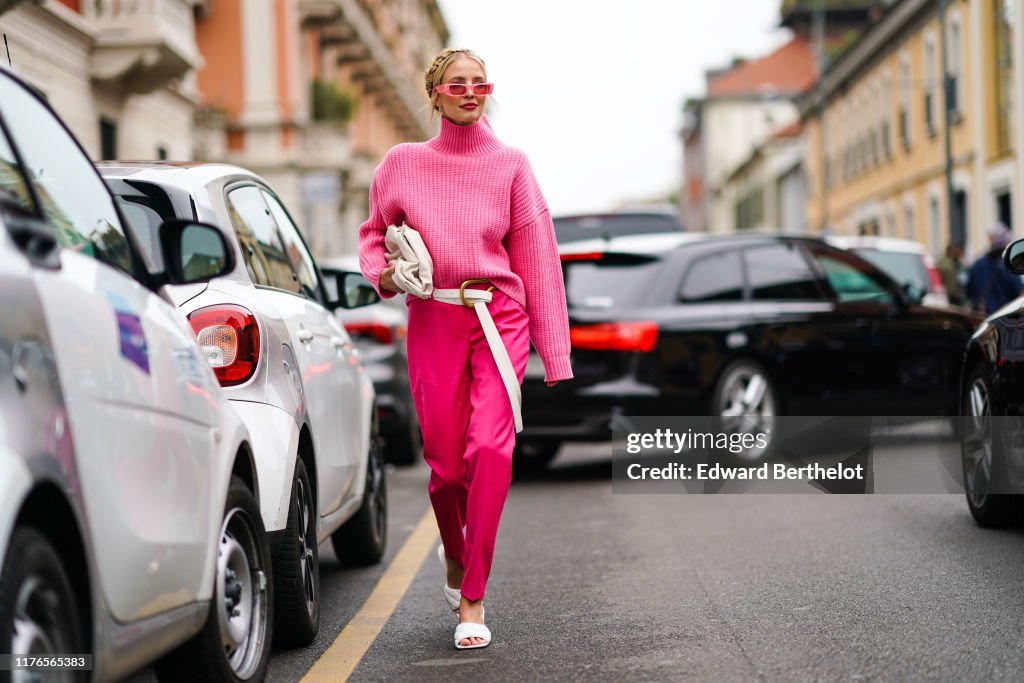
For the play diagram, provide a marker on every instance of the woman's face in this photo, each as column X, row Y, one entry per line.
column 468, row 108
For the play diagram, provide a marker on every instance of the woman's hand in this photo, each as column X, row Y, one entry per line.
column 387, row 282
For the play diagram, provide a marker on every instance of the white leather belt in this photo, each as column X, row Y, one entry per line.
column 478, row 299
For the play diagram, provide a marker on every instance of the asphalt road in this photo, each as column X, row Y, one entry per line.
column 590, row 585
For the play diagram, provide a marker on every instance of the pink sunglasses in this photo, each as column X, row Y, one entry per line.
column 460, row 89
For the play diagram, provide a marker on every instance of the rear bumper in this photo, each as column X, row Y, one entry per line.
column 570, row 416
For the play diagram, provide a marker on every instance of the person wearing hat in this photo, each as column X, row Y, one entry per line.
column 989, row 284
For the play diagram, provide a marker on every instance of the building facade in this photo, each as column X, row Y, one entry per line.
column 309, row 94
column 880, row 167
column 121, row 74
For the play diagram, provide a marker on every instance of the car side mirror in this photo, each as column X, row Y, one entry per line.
column 915, row 293
column 346, row 289
column 194, row 252
column 1013, row 257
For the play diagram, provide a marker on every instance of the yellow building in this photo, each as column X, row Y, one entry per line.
column 880, row 166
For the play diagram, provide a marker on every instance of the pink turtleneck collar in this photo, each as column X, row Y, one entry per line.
column 476, row 139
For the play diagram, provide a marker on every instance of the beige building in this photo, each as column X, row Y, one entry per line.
column 121, row 74
column 308, row 93
column 881, row 169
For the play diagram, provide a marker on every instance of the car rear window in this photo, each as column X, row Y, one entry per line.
column 903, row 267
column 573, row 228
column 145, row 207
column 613, row 281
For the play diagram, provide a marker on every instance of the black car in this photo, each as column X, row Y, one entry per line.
column 992, row 406
column 756, row 325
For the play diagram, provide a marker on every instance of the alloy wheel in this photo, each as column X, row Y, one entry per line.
column 307, row 556
column 977, row 445
column 38, row 627
column 746, row 405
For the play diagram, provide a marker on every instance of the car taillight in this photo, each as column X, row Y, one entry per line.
column 583, row 256
column 935, row 278
column 230, row 340
column 377, row 331
column 631, row 336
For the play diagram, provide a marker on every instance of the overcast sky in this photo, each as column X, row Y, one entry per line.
column 592, row 90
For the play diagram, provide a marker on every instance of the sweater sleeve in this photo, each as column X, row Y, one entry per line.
column 533, row 256
column 372, row 252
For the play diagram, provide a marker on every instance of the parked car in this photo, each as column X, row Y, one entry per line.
column 288, row 366
column 616, row 224
column 905, row 261
column 992, row 406
column 757, row 325
column 129, row 527
column 379, row 332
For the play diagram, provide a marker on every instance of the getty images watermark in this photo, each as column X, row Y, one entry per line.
column 823, row 454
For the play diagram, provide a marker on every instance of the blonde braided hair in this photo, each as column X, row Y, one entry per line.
column 433, row 75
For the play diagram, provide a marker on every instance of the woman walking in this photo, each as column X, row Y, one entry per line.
column 486, row 224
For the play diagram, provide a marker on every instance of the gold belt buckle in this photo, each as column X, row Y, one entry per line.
column 462, row 290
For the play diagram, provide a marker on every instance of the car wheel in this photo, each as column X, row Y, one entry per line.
column 403, row 448
column 531, row 458
column 234, row 644
column 745, row 402
column 361, row 541
column 38, row 612
column 981, row 448
column 297, row 569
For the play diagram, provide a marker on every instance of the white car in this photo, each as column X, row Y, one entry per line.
column 128, row 520
column 287, row 365
column 905, row 261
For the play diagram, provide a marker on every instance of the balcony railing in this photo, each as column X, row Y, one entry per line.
column 142, row 45
column 324, row 145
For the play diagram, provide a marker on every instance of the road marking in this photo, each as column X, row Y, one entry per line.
column 345, row 653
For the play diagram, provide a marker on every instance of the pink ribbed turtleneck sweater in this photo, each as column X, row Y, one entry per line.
column 481, row 214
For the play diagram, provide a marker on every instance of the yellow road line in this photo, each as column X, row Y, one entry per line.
column 344, row 654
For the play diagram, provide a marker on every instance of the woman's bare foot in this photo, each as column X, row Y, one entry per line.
column 455, row 574
column 471, row 611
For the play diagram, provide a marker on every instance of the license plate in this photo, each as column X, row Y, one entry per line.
column 534, row 367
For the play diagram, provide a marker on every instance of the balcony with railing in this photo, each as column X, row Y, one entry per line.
column 142, row 45
column 324, row 145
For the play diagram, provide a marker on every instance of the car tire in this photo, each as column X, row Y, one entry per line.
column 984, row 464
column 531, row 458
column 745, row 399
column 297, row 568
column 362, row 540
column 38, row 611
column 403, row 448
column 242, row 569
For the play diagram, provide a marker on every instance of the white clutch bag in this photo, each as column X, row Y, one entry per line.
column 414, row 269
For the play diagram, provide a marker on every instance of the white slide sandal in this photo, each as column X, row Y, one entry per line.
column 453, row 596
column 470, row 630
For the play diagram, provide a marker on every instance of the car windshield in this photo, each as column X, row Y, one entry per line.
column 613, row 281
column 573, row 228
column 903, row 267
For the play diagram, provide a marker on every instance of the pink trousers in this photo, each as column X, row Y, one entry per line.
column 466, row 418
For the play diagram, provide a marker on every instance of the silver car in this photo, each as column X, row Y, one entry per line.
column 129, row 528
column 287, row 365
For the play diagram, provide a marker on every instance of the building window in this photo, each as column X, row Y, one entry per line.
column 929, row 86
column 955, row 62
column 1004, row 72
column 161, row 153
column 909, row 229
column 1004, row 207
column 108, row 139
column 750, row 210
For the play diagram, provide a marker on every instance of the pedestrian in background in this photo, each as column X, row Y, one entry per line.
column 949, row 270
column 482, row 217
column 989, row 284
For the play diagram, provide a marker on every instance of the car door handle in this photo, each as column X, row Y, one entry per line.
column 20, row 376
column 305, row 336
column 339, row 342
